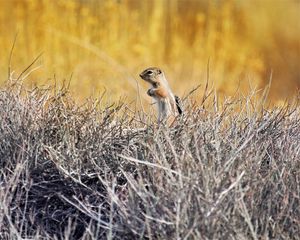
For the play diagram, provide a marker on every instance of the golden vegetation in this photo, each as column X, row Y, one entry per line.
column 105, row 44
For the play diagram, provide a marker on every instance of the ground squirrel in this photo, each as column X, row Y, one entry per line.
column 167, row 103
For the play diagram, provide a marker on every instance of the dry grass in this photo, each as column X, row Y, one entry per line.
column 105, row 44
column 99, row 171
column 102, row 169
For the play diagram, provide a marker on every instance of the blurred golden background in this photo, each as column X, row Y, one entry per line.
column 105, row 44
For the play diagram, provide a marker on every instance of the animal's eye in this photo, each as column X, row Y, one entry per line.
column 149, row 72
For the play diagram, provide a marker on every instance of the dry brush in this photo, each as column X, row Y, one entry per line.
column 96, row 171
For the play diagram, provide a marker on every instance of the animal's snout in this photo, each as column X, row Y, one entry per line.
column 143, row 76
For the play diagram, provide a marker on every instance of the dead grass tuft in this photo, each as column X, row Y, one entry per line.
column 96, row 171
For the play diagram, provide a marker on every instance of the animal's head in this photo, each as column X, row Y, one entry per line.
column 152, row 75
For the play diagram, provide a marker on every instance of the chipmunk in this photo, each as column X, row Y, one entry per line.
column 167, row 103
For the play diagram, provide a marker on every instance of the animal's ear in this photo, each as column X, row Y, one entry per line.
column 159, row 71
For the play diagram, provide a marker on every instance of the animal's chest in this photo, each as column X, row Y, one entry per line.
column 161, row 92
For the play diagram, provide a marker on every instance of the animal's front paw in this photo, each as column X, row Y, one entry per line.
column 150, row 92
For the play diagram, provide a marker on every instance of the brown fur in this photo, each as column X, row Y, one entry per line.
column 161, row 92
